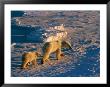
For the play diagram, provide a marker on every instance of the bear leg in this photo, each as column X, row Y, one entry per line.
column 46, row 57
column 58, row 54
column 34, row 63
column 25, row 65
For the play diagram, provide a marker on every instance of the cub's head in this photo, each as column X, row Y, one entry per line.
column 38, row 53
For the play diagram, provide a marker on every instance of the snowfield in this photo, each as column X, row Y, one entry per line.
column 83, row 29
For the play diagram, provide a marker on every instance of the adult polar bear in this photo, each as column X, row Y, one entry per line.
column 55, row 43
column 54, row 46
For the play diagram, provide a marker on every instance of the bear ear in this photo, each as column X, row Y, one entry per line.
column 38, row 54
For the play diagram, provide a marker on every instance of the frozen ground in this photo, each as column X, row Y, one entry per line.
column 84, row 61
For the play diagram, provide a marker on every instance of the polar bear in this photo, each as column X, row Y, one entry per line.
column 54, row 47
column 29, row 57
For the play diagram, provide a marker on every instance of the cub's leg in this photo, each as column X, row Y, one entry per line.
column 34, row 63
column 25, row 65
column 58, row 54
